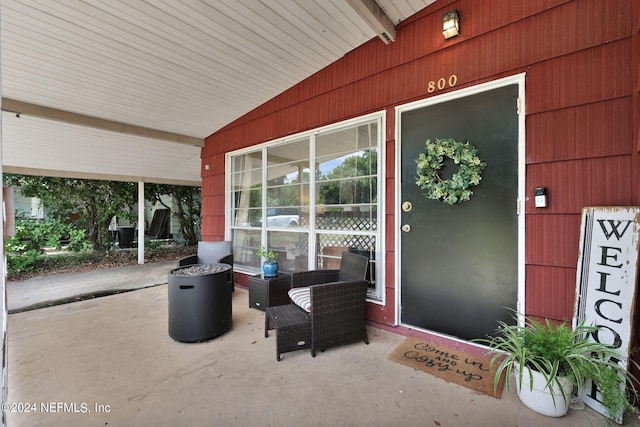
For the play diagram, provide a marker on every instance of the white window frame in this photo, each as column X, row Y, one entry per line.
column 375, row 295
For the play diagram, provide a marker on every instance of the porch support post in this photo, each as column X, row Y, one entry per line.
column 140, row 222
column 3, row 297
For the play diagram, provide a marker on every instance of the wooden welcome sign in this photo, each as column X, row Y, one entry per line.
column 606, row 282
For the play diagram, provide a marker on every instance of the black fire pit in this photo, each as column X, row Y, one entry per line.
column 199, row 302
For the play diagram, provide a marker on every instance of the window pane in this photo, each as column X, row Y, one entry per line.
column 346, row 182
column 344, row 201
column 241, row 181
column 247, row 161
column 288, row 163
column 249, row 198
column 245, row 246
column 287, row 195
column 331, row 246
column 292, row 250
column 345, row 191
column 288, row 184
column 247, row 217
column 347, row 217
column 346, row 141
column 341, row 165
column 246, row 187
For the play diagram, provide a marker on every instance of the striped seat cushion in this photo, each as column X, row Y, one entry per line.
column 301, row 297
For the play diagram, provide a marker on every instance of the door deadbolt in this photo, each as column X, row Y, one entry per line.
column 406, row 228
column 407, row 206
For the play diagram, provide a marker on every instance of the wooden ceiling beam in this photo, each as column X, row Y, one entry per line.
column 20, row 107
column 376, row 18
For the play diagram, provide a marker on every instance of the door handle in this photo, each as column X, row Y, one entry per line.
column 406, row 228
column 407, row 206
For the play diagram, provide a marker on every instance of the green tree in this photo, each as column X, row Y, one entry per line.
column 352, row 181
column 187, row 207
column 95, row 202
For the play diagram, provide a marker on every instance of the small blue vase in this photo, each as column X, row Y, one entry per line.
column 270, row 268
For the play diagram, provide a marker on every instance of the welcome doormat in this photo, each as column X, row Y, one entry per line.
column 449, row 364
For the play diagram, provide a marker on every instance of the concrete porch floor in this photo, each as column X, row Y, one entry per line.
column 113, row 357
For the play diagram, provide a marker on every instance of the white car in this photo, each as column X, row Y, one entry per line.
column 283, row 221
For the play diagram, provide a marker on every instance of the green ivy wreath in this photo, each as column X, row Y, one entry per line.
column 456, row 189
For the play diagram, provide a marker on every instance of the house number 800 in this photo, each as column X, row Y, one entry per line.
column 442, row 83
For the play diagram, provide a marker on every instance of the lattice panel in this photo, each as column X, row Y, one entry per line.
column 330, row 246
column 365, row 243
column 342, row 223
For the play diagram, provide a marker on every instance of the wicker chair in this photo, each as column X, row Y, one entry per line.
column 337, row 302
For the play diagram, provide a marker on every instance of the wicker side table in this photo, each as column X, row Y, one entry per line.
column 292, row 325
column 269, row 291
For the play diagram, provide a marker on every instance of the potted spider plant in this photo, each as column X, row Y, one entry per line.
column 270, row 265
column 549, row 359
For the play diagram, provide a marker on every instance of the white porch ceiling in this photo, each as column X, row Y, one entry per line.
column 128, row 90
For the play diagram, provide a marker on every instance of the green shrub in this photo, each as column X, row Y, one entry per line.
column 78, row 241
column 28, row 264
column 31, row 235
column 36, row 234
column 152, row 245
column 24, row 262
column 556, row 350
column 34, row 261
column 25, row 250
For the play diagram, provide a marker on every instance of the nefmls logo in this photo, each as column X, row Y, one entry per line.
column 606, row 281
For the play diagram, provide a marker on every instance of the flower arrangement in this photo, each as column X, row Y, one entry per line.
column 429, row 164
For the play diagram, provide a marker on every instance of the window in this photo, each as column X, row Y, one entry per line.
column 309, row 198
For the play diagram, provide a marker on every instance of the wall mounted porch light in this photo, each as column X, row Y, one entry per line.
column 450, row 24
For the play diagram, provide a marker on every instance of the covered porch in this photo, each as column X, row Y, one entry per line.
column 111, row 361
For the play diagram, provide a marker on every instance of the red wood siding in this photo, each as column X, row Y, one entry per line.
column 552, row 240
column 550, row 292
column 574, row 184
column 582, row 64
column 558, row 135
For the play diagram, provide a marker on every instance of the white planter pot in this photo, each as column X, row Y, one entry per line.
column 542, row 399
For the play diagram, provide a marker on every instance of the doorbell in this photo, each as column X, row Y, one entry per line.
column 540, row 194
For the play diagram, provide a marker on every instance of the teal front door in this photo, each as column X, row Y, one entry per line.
column 459, row 263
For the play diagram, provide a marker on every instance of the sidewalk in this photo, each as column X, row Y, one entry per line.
column 51, row 290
